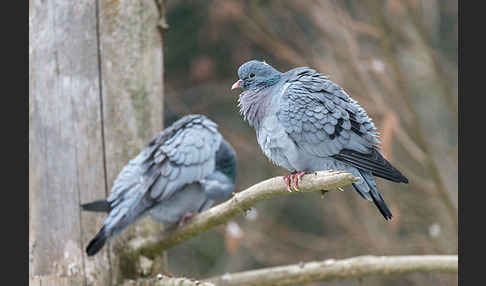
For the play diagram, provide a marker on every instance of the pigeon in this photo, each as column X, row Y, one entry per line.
column 185, row 169
column 304, row 123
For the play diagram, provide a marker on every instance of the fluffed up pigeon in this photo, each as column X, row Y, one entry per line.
column 305, row 123
column 185, row 169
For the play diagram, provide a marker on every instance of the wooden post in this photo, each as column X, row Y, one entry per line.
column 131, row 64
column 95, row 99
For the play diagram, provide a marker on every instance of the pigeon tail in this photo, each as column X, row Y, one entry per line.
column 97, row 206
column 97, row 242
column 373, row 194
column 381, row 205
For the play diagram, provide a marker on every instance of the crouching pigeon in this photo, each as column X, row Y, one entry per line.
column 183, row 170
column 304, row 122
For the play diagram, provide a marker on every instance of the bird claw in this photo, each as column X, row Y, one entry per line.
column 297, row 177
column 293, row 178
column 185, row 218
column 295, row 185
column 287, row 181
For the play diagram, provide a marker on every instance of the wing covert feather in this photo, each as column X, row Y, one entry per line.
column 181, row 154
column 321, row 118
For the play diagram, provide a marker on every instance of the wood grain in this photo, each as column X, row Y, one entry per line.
column 65, row 144
column 95, row 99
column 132, row 94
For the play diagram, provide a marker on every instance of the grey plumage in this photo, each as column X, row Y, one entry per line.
column 184, row 169
column 306, row 122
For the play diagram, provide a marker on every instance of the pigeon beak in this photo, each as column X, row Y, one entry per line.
column 236, row 84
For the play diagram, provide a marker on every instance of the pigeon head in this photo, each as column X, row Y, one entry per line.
column 255, row 78
column 255, row 75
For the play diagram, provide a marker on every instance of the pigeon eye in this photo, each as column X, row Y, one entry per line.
column 252, row 75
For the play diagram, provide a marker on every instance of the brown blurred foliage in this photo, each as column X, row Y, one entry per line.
column 397, row 58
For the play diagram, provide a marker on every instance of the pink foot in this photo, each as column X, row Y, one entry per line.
column 287, row 181
column 297, row 177
column 293, row 178
column 185, row 218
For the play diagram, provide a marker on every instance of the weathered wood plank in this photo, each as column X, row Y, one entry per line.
column 54, row 280
column 132, row 63
column 65, row 144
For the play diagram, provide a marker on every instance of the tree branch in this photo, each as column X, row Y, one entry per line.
column 243, row 201
column 339, row 269
column 163, row 280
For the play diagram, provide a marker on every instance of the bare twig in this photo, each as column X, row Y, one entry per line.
column 163, row 280
column 243, row 201
column 340, row 269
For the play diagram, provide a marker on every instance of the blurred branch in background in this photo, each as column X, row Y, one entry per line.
column 331, row 269
column 163, row 280
column 327, row 270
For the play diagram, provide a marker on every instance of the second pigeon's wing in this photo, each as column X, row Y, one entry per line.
column 187, row 156
column 324, row 121
column 181, row 154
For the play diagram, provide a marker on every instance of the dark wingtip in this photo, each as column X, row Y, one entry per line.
column 400, row 177
column 97, row 243
column 373, row 162
column 404, row 180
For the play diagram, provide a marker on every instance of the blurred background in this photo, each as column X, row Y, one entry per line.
column 398, row 59
column 105, row 76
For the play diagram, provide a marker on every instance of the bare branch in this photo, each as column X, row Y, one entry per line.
column 163, row 280
column 339, row 269
column 243, row 201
